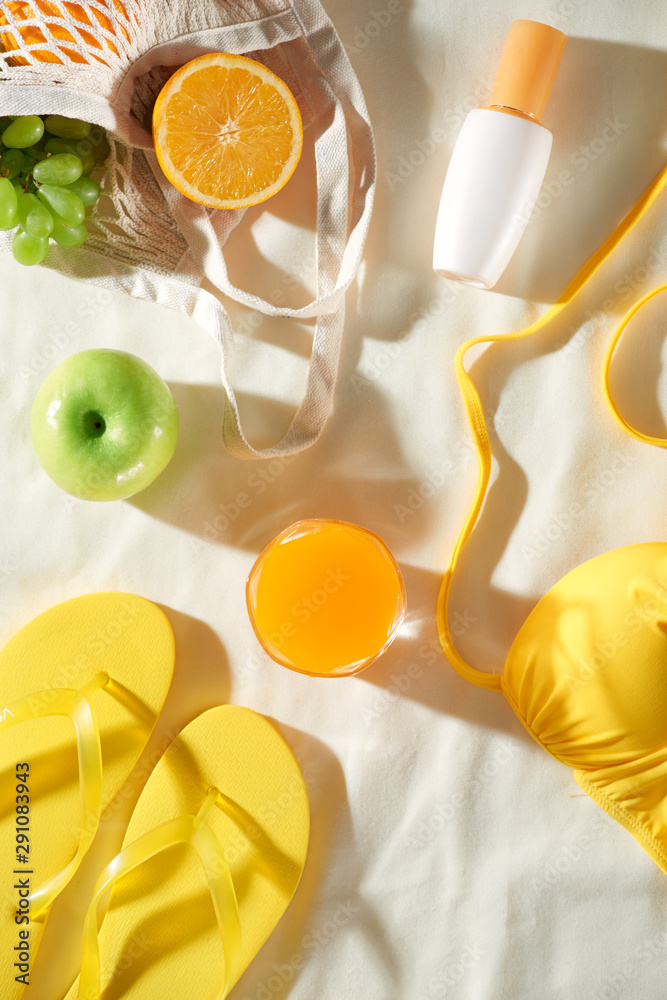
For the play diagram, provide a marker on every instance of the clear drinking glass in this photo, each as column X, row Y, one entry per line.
column 326, row 598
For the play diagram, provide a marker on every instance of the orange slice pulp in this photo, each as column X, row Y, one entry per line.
column 227, row 131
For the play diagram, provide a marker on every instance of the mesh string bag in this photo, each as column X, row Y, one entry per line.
column 105, row 61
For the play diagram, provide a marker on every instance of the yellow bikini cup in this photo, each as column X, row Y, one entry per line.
column 587, row 673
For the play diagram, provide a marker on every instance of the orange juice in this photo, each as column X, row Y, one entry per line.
column 325, row 597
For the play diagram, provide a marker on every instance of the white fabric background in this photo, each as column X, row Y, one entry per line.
column 450, row 857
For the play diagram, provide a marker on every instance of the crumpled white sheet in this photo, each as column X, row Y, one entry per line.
column 450, row 857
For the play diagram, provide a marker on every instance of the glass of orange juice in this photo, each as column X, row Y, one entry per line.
column 326, row 598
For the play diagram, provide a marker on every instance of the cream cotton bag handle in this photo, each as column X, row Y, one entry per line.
column 149, row 239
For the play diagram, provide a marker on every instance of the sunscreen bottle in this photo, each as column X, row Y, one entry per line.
column 499, row 161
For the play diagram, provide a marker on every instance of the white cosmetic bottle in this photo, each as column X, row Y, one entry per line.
column 499, row 161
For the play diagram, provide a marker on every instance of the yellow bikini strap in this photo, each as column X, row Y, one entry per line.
column 477, row 423
column 606, row 389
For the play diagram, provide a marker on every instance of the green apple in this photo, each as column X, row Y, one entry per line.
column 104, row 425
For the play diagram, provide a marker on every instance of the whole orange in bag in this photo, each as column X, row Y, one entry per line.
column 32, row 35
column 227, row 131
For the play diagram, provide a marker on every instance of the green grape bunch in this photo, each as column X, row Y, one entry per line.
column 45, row 182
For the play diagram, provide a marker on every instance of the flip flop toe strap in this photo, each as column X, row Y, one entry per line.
column 191, row 830
column 75, row 705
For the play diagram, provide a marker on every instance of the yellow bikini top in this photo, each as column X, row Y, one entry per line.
column 587, row 673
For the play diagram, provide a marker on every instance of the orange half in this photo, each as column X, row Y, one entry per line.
column 227, row 131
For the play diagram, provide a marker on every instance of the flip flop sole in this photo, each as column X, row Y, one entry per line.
column 68, row 646
column 160, row 938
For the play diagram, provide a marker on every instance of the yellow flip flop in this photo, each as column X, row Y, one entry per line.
column 81, row 687
column 212, row 856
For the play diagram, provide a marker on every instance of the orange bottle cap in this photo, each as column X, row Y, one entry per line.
column 528, row 67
